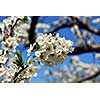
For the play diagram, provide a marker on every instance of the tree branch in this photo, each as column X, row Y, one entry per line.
column 62, row 26
column 11, row 29
column 89, row 77
column 85, row 26
column 80, row 24
column 17, row 74
column 32, row 29
column 85, row 49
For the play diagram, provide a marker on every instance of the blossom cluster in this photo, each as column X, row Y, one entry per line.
column 21, row 23
column 52, row 49
column 13, row 31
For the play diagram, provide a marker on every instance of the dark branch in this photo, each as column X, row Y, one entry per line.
column 85, row 49
column 62, row 26
column 32, row 29
column 89, row 77
column 85, row 26
column 80, row 24
column 11, row 29
column 17, row 74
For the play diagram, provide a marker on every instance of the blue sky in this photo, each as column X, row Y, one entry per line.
column 65, row 32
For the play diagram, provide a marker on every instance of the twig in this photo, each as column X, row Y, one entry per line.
column 16, row 75
column 11, row 29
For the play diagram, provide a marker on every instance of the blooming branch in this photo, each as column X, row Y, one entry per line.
column 50, row 49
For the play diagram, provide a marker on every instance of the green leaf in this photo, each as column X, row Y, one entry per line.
column 15, row 74
column 9, row 25
column 37, row 46
column 19, row 60
column 19, row 54
column 24, row 19
column 4, row 38
column 14, row 62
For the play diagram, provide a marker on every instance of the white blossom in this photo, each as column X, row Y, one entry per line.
column 10, row 44
column 53, row 49
column 96, row 21
column 3, row 60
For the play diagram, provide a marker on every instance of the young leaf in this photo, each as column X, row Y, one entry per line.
column 24, row 19
column 36, row 47
column 19, row 60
